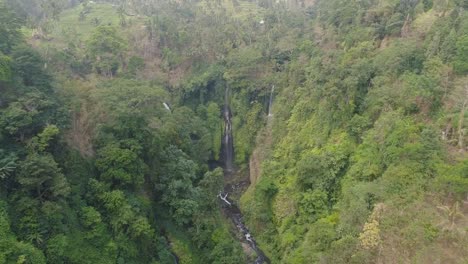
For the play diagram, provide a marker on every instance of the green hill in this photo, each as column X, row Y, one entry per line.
column 345, row 121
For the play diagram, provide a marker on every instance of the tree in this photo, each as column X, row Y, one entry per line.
column 16, row 120
column 27, row 115
column 132, row 232
column 210, row 186
column 130, row 105
column 459, row 98
column 10, row 26
column 313, row 205
column 13, row 251
column 90, row 217
column 41, row 142
column 226, row 251
column 53, row 8
column 8, row 164
column 120, row 166
column 57, row 249
column 5, row 68
column 29, row 66
column 40, row 176
column 175, row 183
column 106, row 48
column 460, row 63
column 135, row 64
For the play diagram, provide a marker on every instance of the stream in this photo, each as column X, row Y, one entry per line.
column 233, row 212
column 230, row 209
column 169, row 247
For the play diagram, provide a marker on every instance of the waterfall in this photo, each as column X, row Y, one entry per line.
column 229, row 207
column 167, row 106
column 270, row 104
column 228, row 144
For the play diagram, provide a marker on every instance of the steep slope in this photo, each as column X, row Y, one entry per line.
column 349, row 117
column 367, row 165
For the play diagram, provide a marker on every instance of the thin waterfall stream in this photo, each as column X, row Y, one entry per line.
column 229, row 207
column 270, row 103
column 228, row 144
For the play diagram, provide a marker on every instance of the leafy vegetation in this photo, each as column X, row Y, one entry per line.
column 349, row 116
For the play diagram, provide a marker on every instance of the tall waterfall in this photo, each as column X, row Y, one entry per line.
column 227, row 144
column 270, row 104
column 229, row 207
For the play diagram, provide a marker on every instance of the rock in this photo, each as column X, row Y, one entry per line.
column 248, row 250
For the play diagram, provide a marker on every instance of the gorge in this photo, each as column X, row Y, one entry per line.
column 230, row 209
column 233, row 131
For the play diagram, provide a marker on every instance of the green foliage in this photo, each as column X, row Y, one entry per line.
column 243, row 64
column 135, row 64
column 122, row 98
column 42, row 141
column 8, row 164
column 56, row 249
column 28, row 115
column 16, row 119
column 90, row 217
column 5, row 68
column 453, row 179
column 400, row 57
column 247, row 123
column 267, row 188
column 202, row 86
column 128, row 226
column 13, row 251
column 460, row 63
column 357, row 161
column 176, row 185
column 120, row 166
column 106, row 48
column 10, row 25
column 225, row 252
column 40, row 176
column 29, row 66
column 357, row 126
column 370, row 77
column 210, row 186
column 170, row 57
column 105, row 40
column 313, row 205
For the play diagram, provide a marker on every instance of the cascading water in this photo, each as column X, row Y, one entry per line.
column 270, row 103
column 167, row 107
column 229, row 208
column 234, row 213
column 228, row 144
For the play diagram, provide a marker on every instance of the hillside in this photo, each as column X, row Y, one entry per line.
column 164, row 131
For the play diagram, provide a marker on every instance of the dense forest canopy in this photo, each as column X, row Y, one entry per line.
column 347, row 120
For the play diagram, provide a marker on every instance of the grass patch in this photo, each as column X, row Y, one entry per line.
column 70, row 28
